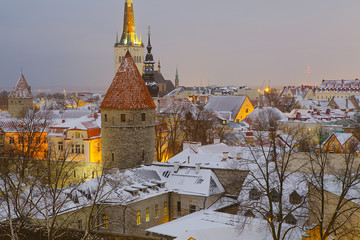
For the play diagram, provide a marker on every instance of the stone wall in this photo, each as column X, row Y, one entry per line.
column 18, row 107
column 129, row 143
column 135, row 51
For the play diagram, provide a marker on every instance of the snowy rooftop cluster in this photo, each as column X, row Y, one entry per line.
column 339, row 86
column 225, row 104
column 317, row 115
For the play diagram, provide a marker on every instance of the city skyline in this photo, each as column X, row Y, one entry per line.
column 70, row 44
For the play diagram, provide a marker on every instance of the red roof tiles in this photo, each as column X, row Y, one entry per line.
column 128, row 89
column 21, row 89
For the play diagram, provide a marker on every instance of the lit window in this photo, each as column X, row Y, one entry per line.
column 138, row 217
column 105, row 221
column 147, row 217
column 165, row 208
column 123, row 118
column 156, row 210
column 309, row 131
column 77, row 135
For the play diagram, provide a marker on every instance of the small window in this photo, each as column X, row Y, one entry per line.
column 82, row 148
column 179, row 207
column 247, row 110
column 38, row 140
column 21, row 140
column 147, row 216
column 77, row 135
column 165, row 208
column 105, row 118
column 192, row 208
column 105, row 221
column 143, row 117
column 123, row 117
column 60, row 146
column 74, row 174
column 112, row 156
column 138, row 218
column 156, row 210
column 77, row 148
column 12, row 141
column 98, row 147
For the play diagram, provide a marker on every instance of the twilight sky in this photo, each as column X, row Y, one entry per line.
column 69, row 43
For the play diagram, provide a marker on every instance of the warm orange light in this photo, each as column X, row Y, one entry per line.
column 267, row 89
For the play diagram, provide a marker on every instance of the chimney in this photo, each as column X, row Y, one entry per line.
column 225, row 156
column 188, row 159
column 238, row 155
column 194, row 146
column 216, row 140
column 328, row 111
column 63, row 121
column 197, row 168
column 186, row 144
column 176, row 167
column 298, row 115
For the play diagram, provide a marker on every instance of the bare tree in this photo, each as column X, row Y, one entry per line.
column 273, row 190
column 334, row 187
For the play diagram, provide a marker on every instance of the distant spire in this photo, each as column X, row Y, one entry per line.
column 159, row 66
column 117, row 37
column 149, row 63
column 176, row 78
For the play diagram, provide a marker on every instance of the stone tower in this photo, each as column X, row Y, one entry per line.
column 129, row 40
column 127, row 120
column 148, row 75
column 20, row 99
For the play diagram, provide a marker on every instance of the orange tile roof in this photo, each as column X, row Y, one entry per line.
column 128, row 89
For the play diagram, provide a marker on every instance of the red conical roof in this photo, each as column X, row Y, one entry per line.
column 128, row 89
column 21, row 89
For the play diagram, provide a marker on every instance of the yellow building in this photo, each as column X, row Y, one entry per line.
column 76, row 139
column 230, row 108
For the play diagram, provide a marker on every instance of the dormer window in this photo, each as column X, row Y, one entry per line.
column 254, row 194
column 295, row 198
column 290, row 219
column 274, row 195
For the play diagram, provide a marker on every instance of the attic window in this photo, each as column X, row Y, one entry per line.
column 295, row 198
column 290, row 219
column 274, row 195
column 166, row 174
column 254, row 194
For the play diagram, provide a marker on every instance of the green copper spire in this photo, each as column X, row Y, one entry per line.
column 176, row 78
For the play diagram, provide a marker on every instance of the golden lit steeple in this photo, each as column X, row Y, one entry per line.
column 129, row 36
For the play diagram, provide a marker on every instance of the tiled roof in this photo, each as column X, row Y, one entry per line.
column 21, row 89
column 128, row 89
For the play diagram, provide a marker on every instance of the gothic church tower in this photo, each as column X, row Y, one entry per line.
column 129, row 41
column 128, row 120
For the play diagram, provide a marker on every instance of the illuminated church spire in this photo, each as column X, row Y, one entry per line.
column 129, row 36
column 129, row 40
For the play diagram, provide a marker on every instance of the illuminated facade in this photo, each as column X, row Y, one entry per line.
column 129, row 40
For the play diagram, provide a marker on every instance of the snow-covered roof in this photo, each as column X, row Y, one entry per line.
column 339, row 86
column 341, row 137
column 344, row 103
column 225, row 104
column 210, row 225
column 21, row 89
